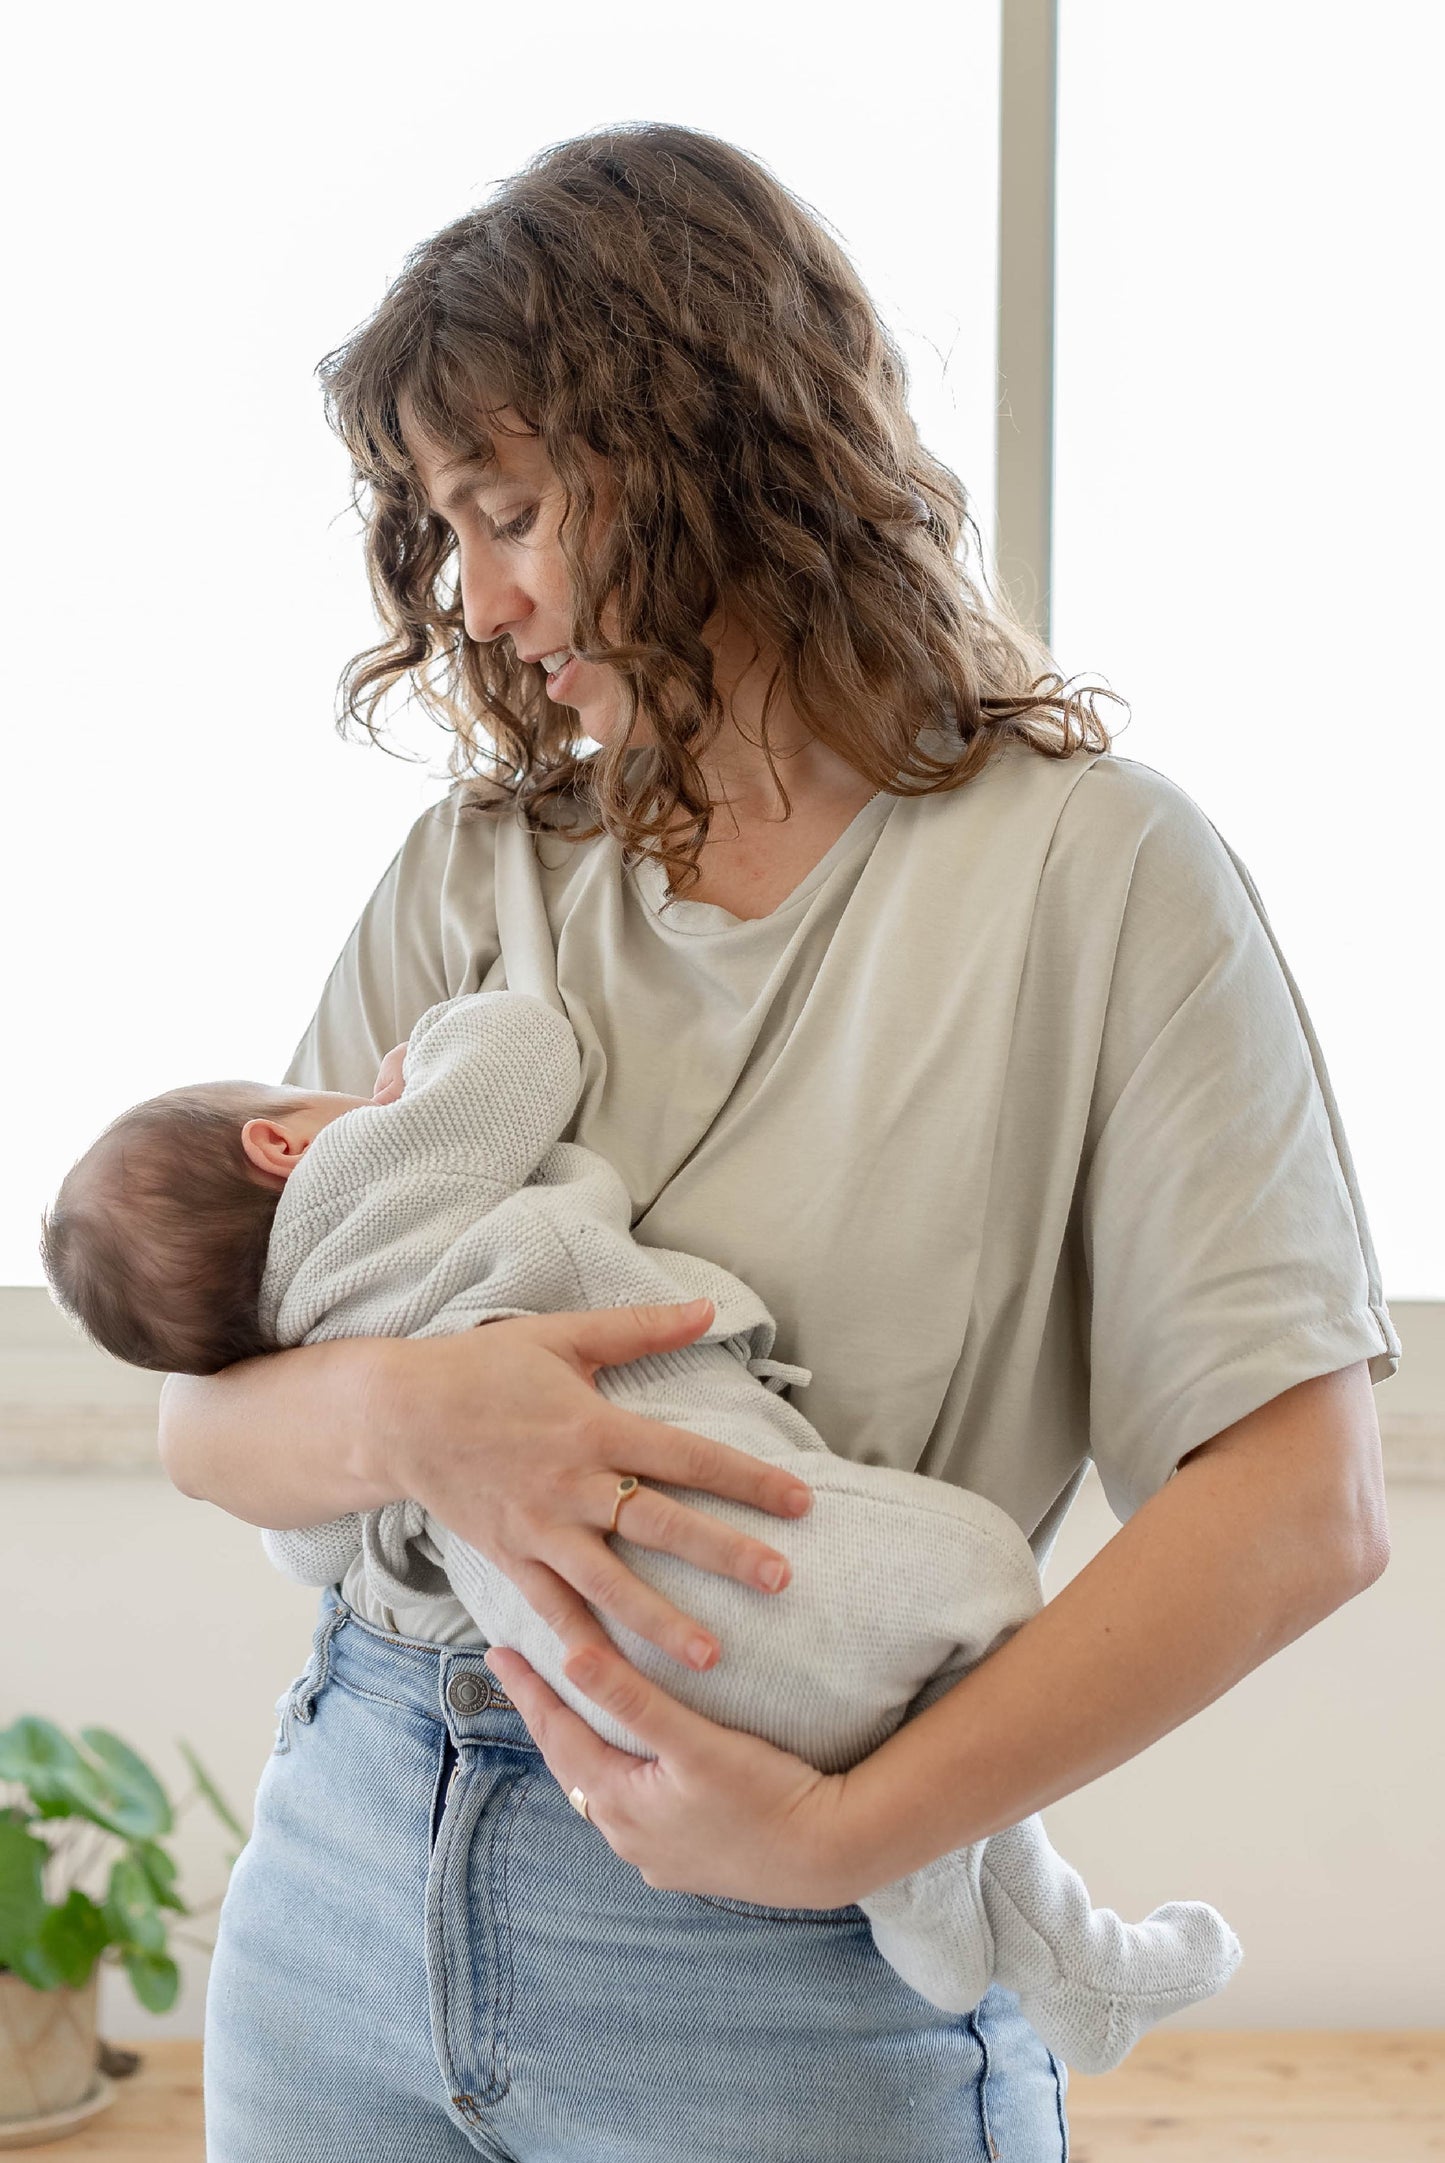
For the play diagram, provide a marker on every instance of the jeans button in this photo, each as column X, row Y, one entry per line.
column 466, row 1692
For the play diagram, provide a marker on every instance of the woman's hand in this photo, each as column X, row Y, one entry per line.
column 502, row 1433
column 715, row 1811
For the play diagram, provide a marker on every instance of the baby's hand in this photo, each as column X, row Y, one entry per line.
column 389, row 1081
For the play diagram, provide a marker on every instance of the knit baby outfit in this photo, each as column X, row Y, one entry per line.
column 459, row 1204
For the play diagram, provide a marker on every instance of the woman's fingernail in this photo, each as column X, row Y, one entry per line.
column 699, row 1652
column 798, row 1501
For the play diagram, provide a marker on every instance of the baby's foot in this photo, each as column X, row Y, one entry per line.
column 1089, row 1982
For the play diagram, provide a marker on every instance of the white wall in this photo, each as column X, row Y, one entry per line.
column 210, row 200
column 1305, row 1804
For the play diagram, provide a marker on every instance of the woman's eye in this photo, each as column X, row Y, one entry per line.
column 519, row 526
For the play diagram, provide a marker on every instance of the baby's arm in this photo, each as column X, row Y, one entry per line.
column 406, row 1202
column 316, row 1554
column 493, row 1077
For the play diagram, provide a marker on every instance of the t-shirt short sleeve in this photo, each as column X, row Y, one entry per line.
column 427, row 932
column 1226, row 1247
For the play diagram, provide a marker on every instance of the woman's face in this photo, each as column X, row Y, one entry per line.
column 514, row 578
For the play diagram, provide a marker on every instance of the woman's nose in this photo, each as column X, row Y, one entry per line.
column 492, row 601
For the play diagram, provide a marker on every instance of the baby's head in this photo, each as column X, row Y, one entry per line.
column 156, row 1242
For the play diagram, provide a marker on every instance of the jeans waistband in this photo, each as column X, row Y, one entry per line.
column 448, row 1683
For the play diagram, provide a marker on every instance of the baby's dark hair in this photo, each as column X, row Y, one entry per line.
column 156, row 1242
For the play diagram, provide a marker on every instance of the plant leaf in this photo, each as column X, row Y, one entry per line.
column 208, row 1789
column 144, row 1807
column 130, row 1908
column 22, row 1895
column 37, row 1754
column 155, row 1978
column 73, row 1936
column 161, row 1872
column 61, row 1783
column 35, row 1966
column 80, row 1791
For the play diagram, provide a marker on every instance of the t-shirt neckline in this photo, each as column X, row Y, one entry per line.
column 709, row 919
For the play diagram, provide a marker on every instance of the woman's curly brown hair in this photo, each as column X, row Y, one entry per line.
column 656, row 294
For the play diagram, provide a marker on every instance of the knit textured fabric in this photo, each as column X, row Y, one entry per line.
column 459, row 1204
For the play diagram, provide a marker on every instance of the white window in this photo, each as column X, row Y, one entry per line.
column 216, row 199
column 1248, row 471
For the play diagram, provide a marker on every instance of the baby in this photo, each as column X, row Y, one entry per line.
column 447, row 1200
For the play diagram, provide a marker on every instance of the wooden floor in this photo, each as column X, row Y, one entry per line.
column 1300, row 2095
column 1294, row 2096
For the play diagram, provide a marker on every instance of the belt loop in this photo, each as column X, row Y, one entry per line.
column 321, row 1661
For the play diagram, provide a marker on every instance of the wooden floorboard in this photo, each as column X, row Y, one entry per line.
column 1291, row 2096
column 1206, row 2096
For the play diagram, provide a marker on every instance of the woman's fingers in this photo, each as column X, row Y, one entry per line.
column 611, row 1336
column 654, row 1718
column 574, row 1753
column 698, row 1535
column 661, row 1523
column 566, row 1614
column 627, row 1601
column 564, row 1447
column 680, row 1458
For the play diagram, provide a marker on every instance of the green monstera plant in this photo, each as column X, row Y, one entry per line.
column 52, row 1931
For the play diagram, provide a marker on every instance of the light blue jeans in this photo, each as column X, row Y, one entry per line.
column 426, row 1953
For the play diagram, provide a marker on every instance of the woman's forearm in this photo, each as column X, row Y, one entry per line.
column 1217, row 1572
column 282, row 1440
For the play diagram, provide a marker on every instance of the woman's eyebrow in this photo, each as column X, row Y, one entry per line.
column 480, row 468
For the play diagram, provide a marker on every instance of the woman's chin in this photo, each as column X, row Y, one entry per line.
column 605, row 729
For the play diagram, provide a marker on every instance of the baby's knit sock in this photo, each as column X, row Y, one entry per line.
column 1089, row 1982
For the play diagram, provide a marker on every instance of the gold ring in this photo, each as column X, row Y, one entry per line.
column 626, row 1487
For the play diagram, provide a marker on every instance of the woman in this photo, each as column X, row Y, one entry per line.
column 962, row 1040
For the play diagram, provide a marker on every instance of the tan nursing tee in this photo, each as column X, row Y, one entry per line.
column 1011, row 1113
